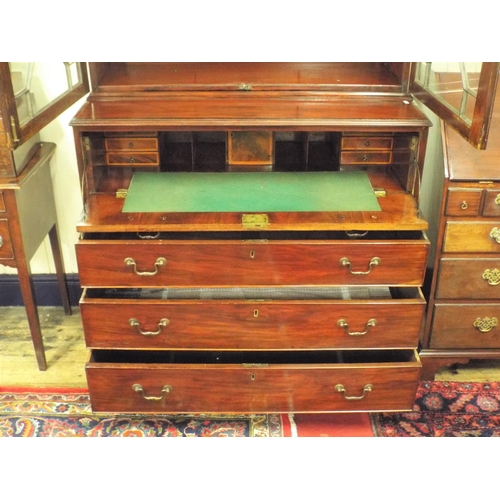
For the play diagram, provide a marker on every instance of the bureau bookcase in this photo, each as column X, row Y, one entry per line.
column 252, row 240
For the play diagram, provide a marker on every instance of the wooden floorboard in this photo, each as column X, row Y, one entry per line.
column 64, row 348
column 66, row 353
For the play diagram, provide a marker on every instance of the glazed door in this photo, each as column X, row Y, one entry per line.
column 462, row 94
column 32, row 94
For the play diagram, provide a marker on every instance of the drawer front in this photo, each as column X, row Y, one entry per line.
column 367, row 143
column 463, row 202
column 468, row 279
column 366, row 157
column 141, row 158
column 472, row 237
column 132, row 143
column 6, row 250
column 466, row 326
column 231, row 388
column 240, row 263
column 492, row 203
column 252, row 325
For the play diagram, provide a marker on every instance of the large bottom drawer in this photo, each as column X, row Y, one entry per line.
column 260, row 382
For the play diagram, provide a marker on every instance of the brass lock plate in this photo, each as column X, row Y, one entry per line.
column 255, row 221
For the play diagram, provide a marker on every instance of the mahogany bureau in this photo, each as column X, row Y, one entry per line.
column 196, row 298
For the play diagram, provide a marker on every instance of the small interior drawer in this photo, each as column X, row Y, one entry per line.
column 368, row 143
column 247, row 382
column 133, row 158
column 132, row 144
column 366, row 157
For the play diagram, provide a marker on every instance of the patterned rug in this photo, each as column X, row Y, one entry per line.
column 68, row 414
column 446, row 409
column 441, row 409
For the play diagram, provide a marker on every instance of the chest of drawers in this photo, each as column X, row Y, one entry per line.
column 464, row 305
column 203, row 308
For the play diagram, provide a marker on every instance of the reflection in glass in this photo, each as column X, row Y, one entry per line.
column 38, row 84
column 454, row 84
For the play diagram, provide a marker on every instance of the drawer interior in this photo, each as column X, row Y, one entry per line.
column 256, row 293
column 258, row 236
column 253, row 357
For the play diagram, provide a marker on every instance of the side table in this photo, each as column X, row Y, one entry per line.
column 27, row 216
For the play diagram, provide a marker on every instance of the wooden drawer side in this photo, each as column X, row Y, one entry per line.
column 253, row 387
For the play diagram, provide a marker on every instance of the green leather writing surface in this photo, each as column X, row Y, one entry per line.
column 250, row 192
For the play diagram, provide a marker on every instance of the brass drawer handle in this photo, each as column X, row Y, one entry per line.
column 495, row 234
column 342, row 323
column 464, row 205
column 341, row 388
column 135, row 324
column 485, row 324
column 497, row 199
column 492, row 276
column 165, row 390
column 375, row 261
column 160, row 261
column 1, row 241
column 132, row 159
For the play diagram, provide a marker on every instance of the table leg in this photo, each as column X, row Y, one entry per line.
column 29, row 299
column 58, row 261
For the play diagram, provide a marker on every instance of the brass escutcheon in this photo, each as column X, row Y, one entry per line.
column 495, row 234
column 340, row 388
column 375, row 261
column 160, row 261
column 161, row 324
column 165, row 390
column 485, row 324
column 342, row 323
column 492, row 276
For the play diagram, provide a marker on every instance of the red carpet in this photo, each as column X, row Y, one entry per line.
column 328, row 425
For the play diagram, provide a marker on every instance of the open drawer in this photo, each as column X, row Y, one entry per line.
column 253, row 318
column 296, row 258
column 248, row 382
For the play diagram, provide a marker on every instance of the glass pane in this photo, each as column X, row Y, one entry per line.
column 38, row 84
column 454, row 84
